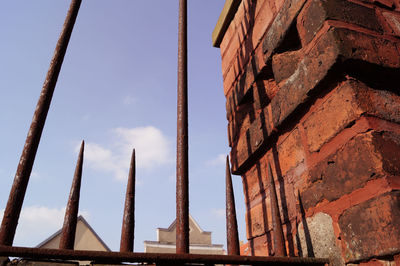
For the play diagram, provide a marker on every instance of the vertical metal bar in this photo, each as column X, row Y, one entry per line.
column 128, row 223
column 17, row 193
column 182, row 179
column 232, row 234
column 279, row 240
column 71, row 212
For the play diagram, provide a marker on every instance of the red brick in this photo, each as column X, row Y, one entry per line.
column 262, row 245
column 366, row 157
column 245, row 249
column 240, row 19
column 263, row 20
column 387, row 3
column 372, row 228
column 393, row 21
column 337, row 45
column 397, row 260
column 346, row 104
column 258, row 219
column 278, row 5
column 280, row 26
column 316, row 12
column 228, row 80
column 285, row 64
column 290, row 151
column 248, row 144
column 253, row 183
column 376, row 262
column 332, row 116
column 228, row 38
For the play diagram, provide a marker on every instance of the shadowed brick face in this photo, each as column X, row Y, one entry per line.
column 313, row 88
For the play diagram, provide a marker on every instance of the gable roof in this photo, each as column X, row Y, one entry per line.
column 191, row 219
column 86, row 224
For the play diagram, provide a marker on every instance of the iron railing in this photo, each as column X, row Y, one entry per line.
column 126, row 254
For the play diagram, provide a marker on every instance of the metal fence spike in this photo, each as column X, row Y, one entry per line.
column 128, row 223
column 67, row 239
column 17, row 193
column 232, row 234
column 279, row 240
column 182, row 172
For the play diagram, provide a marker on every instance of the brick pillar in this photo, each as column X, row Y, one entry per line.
column 312, row 86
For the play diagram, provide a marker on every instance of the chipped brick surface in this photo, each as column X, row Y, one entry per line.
column 317, row 12
column 372, row 228
column 360, row 160
column 312, row 88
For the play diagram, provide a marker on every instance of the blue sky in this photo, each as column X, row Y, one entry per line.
column 117, row 91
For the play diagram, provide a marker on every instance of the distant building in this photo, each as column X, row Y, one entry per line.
column 200, row 241
column 85, row 238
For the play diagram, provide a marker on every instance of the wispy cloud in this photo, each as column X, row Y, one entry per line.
column 218, row 213
column 86, row 117
column 151, row 145
column 220, row 159
column 36, row 223
column 128, row 100
column 35, row 175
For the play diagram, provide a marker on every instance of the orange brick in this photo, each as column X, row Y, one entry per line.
column 346, row 104
column 228, row 80
column 290, row 151
column 258, row 219
column 263, row 20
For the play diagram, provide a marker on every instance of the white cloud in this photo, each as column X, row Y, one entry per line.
column 219, row 160
column 35, row 175
column 36, row 223
column 219, row 213
column 152, row 150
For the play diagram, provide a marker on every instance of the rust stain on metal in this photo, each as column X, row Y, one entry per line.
column 231, row 221
column 71, row 213
column 182, row 172
column 17, row 193
column 279, row 240
column 128, row 223
column 170, row 259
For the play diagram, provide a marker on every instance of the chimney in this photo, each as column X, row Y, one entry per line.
column 312, row 88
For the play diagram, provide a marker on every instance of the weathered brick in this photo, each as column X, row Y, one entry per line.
column 347, row 103
column 332, row 116
column 229, row 80
column 280, row 26
column 227, row 39
column 262, row 245
column 316, row 12
column 375, row 262
column 249, row 143
column 263, row 92
column 263, row 19
column 372, row 228
column 387, row 3
column 258, row 219
column 241, row 18
column 337, row 45
column 393, row 21
column 290, row 151
column 254, row 182
column 397, row 260
column 285, row 64
column 362, row 159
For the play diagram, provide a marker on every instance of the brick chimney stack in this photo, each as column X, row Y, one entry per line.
column 312, row 87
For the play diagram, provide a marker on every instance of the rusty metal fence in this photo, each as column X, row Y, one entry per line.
column 126, row 254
